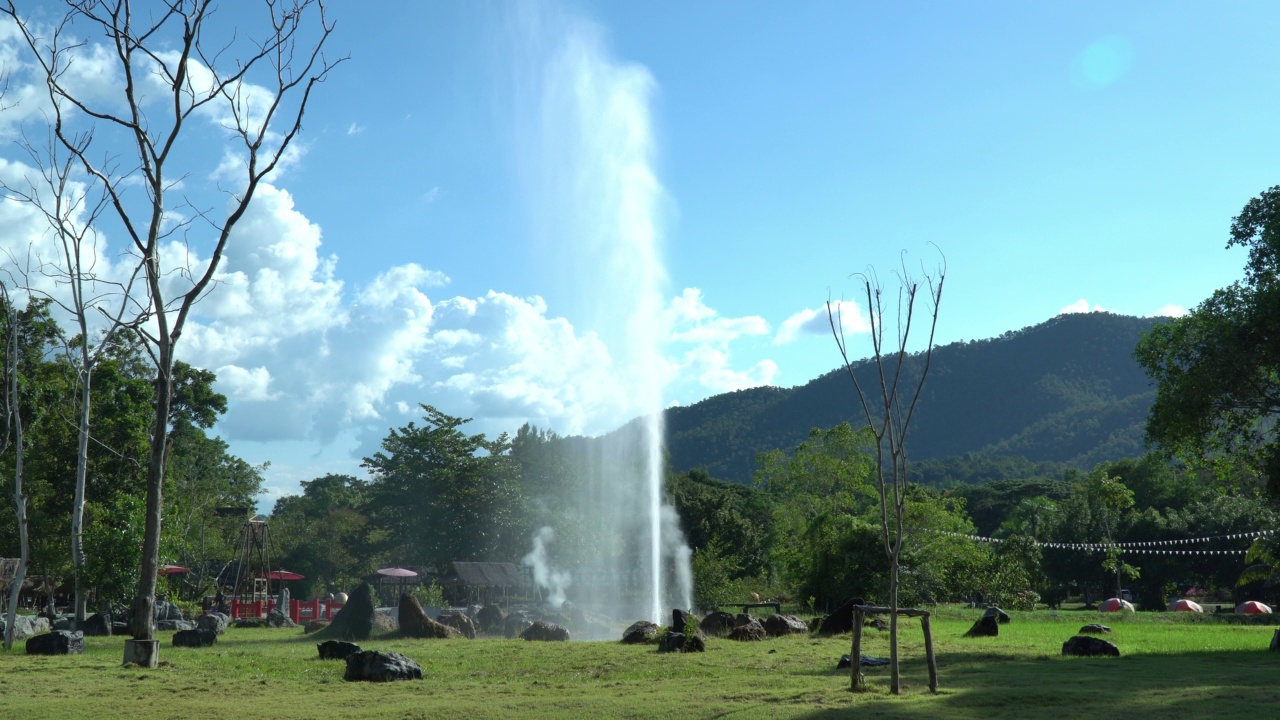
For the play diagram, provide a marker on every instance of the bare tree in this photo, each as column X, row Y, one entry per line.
column 13, row 432
column 173, row 71
column 72, row 216
column 889, row 409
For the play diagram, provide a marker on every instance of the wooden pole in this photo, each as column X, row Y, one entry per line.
column 855, row 653
column 928, row 652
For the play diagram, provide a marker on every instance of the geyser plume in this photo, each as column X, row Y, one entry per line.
column 587, row 145
column 555, row 582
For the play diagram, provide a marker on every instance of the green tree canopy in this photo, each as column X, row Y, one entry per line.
column 1217, row 370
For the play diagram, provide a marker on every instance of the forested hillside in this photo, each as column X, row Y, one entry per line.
column 1065, row 391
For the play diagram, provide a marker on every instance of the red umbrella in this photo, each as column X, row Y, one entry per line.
column 284, row 575
column 1252, row 607
column 1185, row 606
column 1115, row 605
column 397, row 572
column 172, row 570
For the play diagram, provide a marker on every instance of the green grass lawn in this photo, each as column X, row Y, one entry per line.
column 1175, row 667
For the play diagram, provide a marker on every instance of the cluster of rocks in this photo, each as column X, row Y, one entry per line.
column 678, row 637
column 369, row 665
column 1084, row 644
column 25, row 626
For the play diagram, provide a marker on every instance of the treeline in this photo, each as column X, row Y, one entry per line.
column 201, row 477
column 808, row 527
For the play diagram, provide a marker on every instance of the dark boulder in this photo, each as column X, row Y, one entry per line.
column 1089, row 646
column 672, row 641
column 542, row 630
column 640, row 632
column 987, row 626
column 717, row 623
column 57, row 642
column 840, row 621
column 194, row 638
column 877, row 623
column 179, row 625
column 314, row 626
column 461, row 622
column 490, row 617
column 336, row 649
column 355, row 620
column 750, row 632
column 97, row 624
column 779, row 625
column 251, row 622
column 1000, row 615
column 374, row 666
column 1095, row 629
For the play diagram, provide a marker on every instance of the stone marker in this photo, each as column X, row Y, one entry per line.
column 374, row 666
column 56, row 642
column 355, row 620
column 1089, row 646
column 1094, row 629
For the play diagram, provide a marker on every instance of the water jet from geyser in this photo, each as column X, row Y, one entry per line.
column 587, row 149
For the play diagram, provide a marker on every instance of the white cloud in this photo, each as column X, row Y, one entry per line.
column 815, row 321
column 354, row 129
column 1171, row 311
column 246, row 384
column 1081, row 306
column 431, row 195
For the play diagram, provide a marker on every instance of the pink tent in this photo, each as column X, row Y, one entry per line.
column 1185, row 606
column 1115, row 605
column 1253, row 607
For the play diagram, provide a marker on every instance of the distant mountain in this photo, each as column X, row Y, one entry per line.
column 1065, row 391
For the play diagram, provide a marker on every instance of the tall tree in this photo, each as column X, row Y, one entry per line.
column 443, row 495
column 1217, row 370
column 259, row 89
column 889, row 409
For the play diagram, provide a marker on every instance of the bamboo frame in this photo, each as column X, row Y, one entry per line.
column 855, row 652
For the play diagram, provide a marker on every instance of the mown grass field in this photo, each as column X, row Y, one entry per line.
column 1171, row 667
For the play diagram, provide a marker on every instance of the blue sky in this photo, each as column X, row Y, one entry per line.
column 436, row 225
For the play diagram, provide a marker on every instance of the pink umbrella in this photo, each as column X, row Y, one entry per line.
column 1115, row 605
column 1252, row 607
column 172, row 570
column 397, row 572
column 284, row 575
column 1185, row 606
